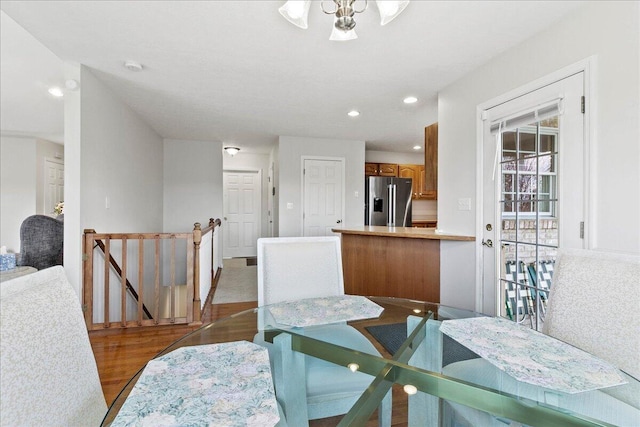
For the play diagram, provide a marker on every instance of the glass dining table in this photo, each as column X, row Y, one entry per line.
column 444, row 366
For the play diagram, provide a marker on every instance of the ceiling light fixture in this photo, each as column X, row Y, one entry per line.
column 56, row 91
column 410, row 100
column 297, row 12
column 232, row 151
column 353, row 113
column 133, row 66
column 416, row 147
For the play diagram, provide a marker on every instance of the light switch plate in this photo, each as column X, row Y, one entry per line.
column 289, row 205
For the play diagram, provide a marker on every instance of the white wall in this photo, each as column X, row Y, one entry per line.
column 17, row 187
column 253, row 161
column 110, row 152
column 290, row 153
column 372, row 156
column 609, row 31
column 122, row 160
column 192, row 183
column 192, row 192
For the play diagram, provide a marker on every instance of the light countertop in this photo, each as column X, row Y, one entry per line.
column 405, row 232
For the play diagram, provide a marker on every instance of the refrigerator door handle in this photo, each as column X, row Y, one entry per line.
column 391, row 211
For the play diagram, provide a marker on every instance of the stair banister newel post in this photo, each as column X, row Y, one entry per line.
column 197, row 238
column 87, row 277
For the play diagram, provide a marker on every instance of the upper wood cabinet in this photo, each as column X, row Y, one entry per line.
column 417, row 175
column 413, row 172
column 380, row 169
column 430, row 180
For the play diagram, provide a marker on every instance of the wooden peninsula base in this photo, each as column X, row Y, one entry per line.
column 393, row 261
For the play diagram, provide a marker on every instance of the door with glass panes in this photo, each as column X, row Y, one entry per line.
column 533, row 196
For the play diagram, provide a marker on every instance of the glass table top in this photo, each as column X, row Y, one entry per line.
column 446, row 383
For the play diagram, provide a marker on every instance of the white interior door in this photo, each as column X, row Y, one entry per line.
column 323, row 196
column 242, row 215
column 53, row 185
column 533, row 193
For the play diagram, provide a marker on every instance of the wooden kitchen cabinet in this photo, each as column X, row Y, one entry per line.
column 413, row 172
column 419, row 190
column 430, row 177
column 380, row 169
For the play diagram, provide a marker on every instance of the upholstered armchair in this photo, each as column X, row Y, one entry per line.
column 48, row 374
column 41, row 242
column 594, row 305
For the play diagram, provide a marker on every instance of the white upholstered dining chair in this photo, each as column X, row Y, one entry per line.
column 594, row 305
column 294, row 268
column 48, row 374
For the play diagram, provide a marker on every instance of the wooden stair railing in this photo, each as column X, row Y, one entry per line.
column 116, row 267
column 195, row 267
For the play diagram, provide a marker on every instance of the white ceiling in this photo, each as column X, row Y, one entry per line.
column 237, row 72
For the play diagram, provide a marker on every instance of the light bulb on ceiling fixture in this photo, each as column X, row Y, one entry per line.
column 389, row 10
column 353, row 113
column 410, row 100
column 232, row 151
column 416, row 147
column 342, row 36
column 296, row 12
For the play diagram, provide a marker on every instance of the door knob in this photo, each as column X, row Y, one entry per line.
column 338, row 221
column 488, row 243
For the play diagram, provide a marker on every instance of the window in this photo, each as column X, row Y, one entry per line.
column 529, row 170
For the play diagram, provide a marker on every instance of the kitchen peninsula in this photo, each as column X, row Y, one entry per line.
column 401, row 262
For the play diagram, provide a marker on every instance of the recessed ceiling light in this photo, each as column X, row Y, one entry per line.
column 56, row 91
column 416, row 147
column 353, row 113
column 410, row 100
column 133, row 66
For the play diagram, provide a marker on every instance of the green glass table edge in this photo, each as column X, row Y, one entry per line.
column 397, row 371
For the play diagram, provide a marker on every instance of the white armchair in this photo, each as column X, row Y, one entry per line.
column 48, row 374
column 293, row 268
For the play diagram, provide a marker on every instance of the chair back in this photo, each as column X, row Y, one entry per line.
column 293, row 268
column 594, row 304
column 41, row 241
column 48, row 374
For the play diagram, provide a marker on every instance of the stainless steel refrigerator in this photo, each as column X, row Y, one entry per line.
column 388, row 201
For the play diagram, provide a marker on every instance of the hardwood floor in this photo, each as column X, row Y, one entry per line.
column 121, row 353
